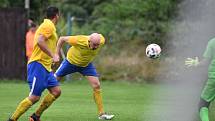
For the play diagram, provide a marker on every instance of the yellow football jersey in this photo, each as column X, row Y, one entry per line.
column 48, row 30
column 80, row 53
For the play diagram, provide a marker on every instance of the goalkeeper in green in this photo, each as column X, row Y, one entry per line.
column 208, row 92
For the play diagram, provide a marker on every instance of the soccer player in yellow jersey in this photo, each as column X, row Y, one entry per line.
column 79, row 59
column 40, row 75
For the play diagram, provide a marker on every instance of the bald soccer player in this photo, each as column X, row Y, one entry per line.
column 80, row 55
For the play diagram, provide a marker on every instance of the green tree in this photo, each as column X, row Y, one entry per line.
column 148, row 21
column 37, row 7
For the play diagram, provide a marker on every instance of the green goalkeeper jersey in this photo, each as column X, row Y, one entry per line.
column 210, row 54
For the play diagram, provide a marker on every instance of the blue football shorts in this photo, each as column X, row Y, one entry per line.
column 39, row 78
column 67, row 68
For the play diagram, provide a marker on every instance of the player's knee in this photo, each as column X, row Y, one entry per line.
column 57, row 77
column 56, row 93
column 203, row 103
column 96, row 85
column 33, row 98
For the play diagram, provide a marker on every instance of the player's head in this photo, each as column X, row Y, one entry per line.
column 94, row 40
column 52, row 13
column 31, row 26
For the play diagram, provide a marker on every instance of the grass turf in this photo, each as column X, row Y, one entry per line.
column 129, row 102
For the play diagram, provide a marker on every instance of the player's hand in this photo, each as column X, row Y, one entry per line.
column 56, row 58
column 190, row 62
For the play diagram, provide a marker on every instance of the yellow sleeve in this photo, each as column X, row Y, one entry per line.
column 73, row 40
column 46, row 31
column 102, row 41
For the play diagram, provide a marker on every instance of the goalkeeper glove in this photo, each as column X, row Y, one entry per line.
column 189, row 62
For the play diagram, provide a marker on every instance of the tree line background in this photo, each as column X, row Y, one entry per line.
column 128, row 26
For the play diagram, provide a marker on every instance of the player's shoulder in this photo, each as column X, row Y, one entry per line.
column 102, row 39
column 212, row 40
column 47, row 24
column 82, row 38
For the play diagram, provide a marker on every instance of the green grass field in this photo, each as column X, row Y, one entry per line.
column 129, row 102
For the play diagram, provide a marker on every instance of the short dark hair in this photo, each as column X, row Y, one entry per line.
column 32, row 25
column 51, row 12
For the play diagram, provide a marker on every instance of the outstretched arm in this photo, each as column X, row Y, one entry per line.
column 204, row 62
column 190, row 62
column 60, row 43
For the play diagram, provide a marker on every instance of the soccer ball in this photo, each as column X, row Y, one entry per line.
column 153, row 51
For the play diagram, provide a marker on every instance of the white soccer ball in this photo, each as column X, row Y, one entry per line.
column 153, row 51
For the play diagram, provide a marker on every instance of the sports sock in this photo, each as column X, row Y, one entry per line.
column 46, row 102
column 204, row 114
column 98, row 100
column 21, row 108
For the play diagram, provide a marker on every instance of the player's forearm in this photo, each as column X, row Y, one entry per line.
column 42, row 44
column 60, row 44
column 204, row 62
column 62, row 53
